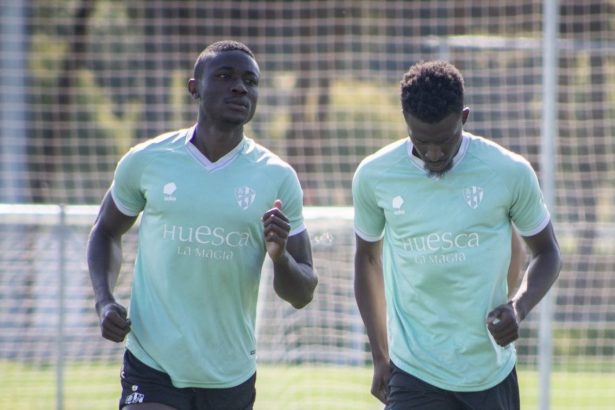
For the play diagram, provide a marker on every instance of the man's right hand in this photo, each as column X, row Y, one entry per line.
column 114, row 322
column 380, row 382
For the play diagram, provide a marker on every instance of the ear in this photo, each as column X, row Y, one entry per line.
column 192, row 89
column 464, row 114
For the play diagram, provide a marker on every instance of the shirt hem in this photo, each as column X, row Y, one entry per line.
column 143, row 357
column 121, row 207
column 367, row 237
column 501, row 375
column 537, row 229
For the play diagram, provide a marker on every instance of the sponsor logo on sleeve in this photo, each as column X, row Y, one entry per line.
column 397, row 203
column 169, row 190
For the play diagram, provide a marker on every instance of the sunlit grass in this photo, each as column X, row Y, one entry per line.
column 96, row 387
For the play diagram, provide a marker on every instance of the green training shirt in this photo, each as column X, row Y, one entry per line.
column 446, row 252
column 200, row 253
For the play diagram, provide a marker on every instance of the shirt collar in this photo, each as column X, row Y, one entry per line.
column 420, row 164
column 206, row 162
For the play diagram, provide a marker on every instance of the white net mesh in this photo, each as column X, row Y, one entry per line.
column 83, row 80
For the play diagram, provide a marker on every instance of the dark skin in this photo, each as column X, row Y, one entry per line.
column 227, row 93
column 437, row 144
column 516, row 269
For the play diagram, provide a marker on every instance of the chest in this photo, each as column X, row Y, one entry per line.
column 465, row 201
column 234, row 196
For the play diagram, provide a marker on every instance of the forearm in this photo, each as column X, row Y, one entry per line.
column 369, row 294
column 542, row 272
column 294, row 282
column 104, row 256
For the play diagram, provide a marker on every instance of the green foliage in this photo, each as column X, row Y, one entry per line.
column 97, row 109
column 366, row 116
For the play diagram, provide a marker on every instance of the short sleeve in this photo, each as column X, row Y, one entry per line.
column 291, row 195
column 529, row 211
column 126, row 187
column 369, row 219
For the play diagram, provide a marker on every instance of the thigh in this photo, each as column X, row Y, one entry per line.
column 144, row 387
column 240, row 397
column 504, row 396
column 409, row 392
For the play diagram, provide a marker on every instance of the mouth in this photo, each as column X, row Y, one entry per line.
column 438, row 167
column 238, row 105
column 435, row 164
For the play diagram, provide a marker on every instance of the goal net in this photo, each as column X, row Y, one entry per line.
column 82, row 81
column 48, row 320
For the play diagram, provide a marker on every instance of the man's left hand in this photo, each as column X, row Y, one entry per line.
column 276, row 229
column 503, row 324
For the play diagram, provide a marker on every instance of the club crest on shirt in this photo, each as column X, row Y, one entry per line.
column 244, row 196
column 473, row 196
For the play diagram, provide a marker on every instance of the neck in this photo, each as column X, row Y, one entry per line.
column 215, row 143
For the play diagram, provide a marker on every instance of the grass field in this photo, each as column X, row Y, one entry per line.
column 95, row 387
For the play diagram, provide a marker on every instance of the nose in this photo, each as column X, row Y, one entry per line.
column 239, row 87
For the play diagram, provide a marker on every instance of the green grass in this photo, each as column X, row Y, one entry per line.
column 290, row 388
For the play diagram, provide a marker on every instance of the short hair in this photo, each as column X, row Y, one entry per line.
column 219, row 47
column 432, row 90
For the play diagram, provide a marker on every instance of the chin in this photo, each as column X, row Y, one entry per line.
column 238, row 120
column 233, row 121
column 440, row 172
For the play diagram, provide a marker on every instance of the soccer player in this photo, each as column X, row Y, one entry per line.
column 213, row 203
column 433, row 220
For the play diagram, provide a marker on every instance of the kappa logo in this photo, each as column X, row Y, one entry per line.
column 244, row 196
column 473, row 196
column 397, row 203
column 168, row 190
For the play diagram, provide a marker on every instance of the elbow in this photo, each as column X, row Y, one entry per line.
column 557, row 256
column 560, row 263
column 556, row 262
column 300, row 304
column 306, row 297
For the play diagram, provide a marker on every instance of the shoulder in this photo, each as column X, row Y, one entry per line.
column 261, row 156
column 494, row 155
column 145, row 152
column 162, row 142
column 383, row 159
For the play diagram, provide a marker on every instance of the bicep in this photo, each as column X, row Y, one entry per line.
column 518, row 259
column 111, row 220
column 543, row 242
column 518, row 254
column 367, row 253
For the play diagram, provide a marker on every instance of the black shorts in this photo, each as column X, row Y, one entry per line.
column 142, row 384
column 409, row 392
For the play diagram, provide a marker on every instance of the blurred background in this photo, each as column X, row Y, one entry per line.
column 82, row 81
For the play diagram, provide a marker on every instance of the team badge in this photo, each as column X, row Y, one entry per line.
column 473, row 196
column 244, row 196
